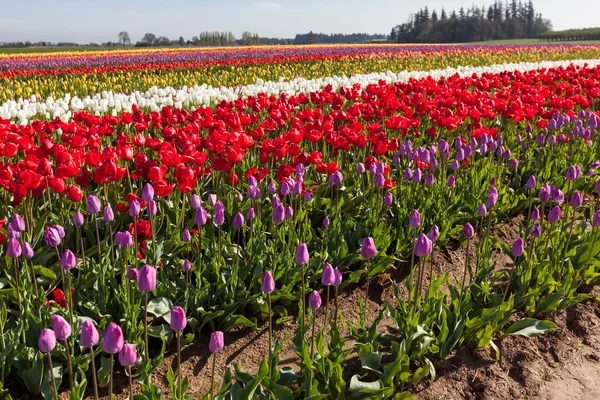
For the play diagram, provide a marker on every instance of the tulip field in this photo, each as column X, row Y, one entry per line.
column 156, row 199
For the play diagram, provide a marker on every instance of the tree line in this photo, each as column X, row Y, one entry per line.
column 509, row 20
column 572, row 34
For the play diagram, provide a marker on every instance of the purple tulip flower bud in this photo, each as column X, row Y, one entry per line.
column 68, row 260
column 61, row 327
column 201, row 216
column 408, row 174
column 338, row 277
column 360, row 168
column 133, row 274
column 178, row 319
column 388, row 199
column 368, row 249
column 27, row 250
column 289, row 212
column 414, row 220
column 187, row 265
column 17, row 223
column 271, row 188
column 51, row 237
column 147, row 279
column 536, row 231
column 250, row 215
column 596, row 219
column 430, row 180
column 212, row 199
column 134, row 208
column 328, row 277
column 325, row 222
column 13, row 248
column 109, row 215
column 423, row 246
column 531, row 182
column 576, row 199
column 113, row 339
column 314, row 300
column 451, row 181
column 196, row 202
column 573, row 173
column 217, row 342
column 434, row 234
column 89, row 334
column 468, row 231
column 481, row 210
column 535, row 214
column 148, row 192
column 417, row 175
column 302, row 256
column 219, row 217
column 238, row 221
column 47, row 341
column 554, row 214
column 379, row 180
column 127, row 355
column 279, row 214
column 93, row 204
column 152, row 208
column 518, row 248
column 268, row 284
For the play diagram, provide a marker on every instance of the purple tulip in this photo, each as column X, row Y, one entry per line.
column 379, row 180
column 93, row 204
column 554, row 214
column 186, row 236
column 451, row 181
column 178, row 319
column 61, row 327
column 68, row 260
column 328, row 277
column 148, row 192
column 314, row 300
column 307, row 196
column 536, row 231
column 434, row 234
column 430, row 180
column 271, row 188
column 468, row 230
column 576, row 199
column 147, row 279
column 126, row 240
column 113, row 339
column 302, row 256
column 201, row 216
column 47, row 341
column 250, row 215
column 134, row 208
column 408, row 174
column 414, row 220
column 217, row 342
column 573, row 172
column 127, row 355
column 535, row 214
column 597, row 187
column 325, row 222
column 238, row 221
column 423, row 246
column 219, row 217
column 89, row 334
column 52, row 237
column 336, row 178
column 279, row 214
column 268, row 284
column 11, row 233
column 368, row 249
column 531, row 183
column 212, row 199
column 481, row 210
column 518, row 248
column 338, row 277
column 152, row 208
column 596, row 219
column 544, row 193
column 133, row 274
column 13, row 248
column 17, row 223
column 289, row 212
column 196, row 203
column 360, row 168
column 187, row 265
column 27, row 250
column 388, row 199
column 417, row 175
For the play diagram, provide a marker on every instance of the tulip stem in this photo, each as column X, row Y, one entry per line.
column 270, row 323
column 146, row 326
column 110, row 375
column 135, row 240
column 335, row 305
column 93, row 366
column 82, row 246
column 69, row 363
column 98, row 242
column 591, row 248
column 464, row 279
column 112, row 250
column 212, row 377
column 52, row 376
column 130, row 383
column 179, row 364
column 367, row 286
column 327, row 319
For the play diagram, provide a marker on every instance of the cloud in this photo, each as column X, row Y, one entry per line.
column 268, row 6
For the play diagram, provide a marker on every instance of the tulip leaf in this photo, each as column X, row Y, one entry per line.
column 530, row 327
column 357, row 385
column 237, row 320
column 34, row 375
column 161, row 307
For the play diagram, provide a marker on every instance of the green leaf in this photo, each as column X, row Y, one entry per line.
column 33, row 376
column 357, row 385
column 370, row 360
column 162, row 332
column 530, row 327
column 103, row 371
column 237, row 320
column 161, row 307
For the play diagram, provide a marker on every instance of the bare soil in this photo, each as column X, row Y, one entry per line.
column 562, row 364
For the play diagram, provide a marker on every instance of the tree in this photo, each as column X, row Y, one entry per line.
column 149, row 39
column 163, row 41
column 124, row 38
column 181, row 41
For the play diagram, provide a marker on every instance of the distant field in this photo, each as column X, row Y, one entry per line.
column 54, row 49
column 535, row 41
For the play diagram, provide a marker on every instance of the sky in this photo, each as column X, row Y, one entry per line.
column 84, row 21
